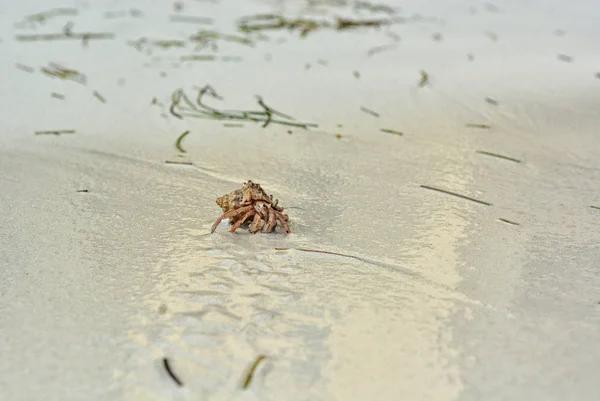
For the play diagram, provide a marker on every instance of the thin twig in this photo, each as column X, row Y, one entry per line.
column 391, row 131
column 178, row 162
column 319, row 251
column 170, row 372
column 251, row 371
column 56, row 132
column 481, row 152
column 455, row 194
column 368, row 111
column 508, row 221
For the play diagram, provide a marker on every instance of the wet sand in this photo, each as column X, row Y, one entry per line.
column 108, row 265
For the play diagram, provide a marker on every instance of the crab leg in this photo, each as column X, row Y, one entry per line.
column 230, row 213
column 283, row 222
column 241, row 221
column 271, row 222
column 254, row 226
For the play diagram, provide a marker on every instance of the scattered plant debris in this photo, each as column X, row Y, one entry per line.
column 565, row 58
column 179, row 162
column 424, row 79
column 211, row 37
column 491, row 100
column 55, row 70
column 98, row 96
column 508, row 222
column 83, row 190
column 57, row 96
column 476, row 125
column 380, row 49
column 191, row 19
column 44, row 16
column 481, row 152
column 320, row 251
column 251, row 200
column 595, row 207
column 197, row 57
column 374, row 8
column 251, row 371
column 25, row 68
column 182, row 106
column 273, row 22
column 455, row 194
column 170, row 372
column 56, row 132
column 391, row 131
column 368, row 111
column 84, row 37
column 178, row 143
column 491, row 35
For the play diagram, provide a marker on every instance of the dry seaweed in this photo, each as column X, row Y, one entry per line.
column 183, row 106
column 25, row 68
column 476, row 125
column 46, row 15
column 55, row 70
column 197, row 57
column 165, row 44
column 178, row 143
column 252, row 371
column 455, row 194
column 391, row 131
column 369, row 111
column 374, row 8
column 56, row 132
column 481, row 152
column 273, row 22
column 211, row 37
column 84, row 37
column 191, row 19
column 379, row 49
column 424, row 79
column 98, row 96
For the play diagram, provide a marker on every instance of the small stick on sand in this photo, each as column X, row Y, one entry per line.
column 481, row 152
column 251, row 371
column 455, row 194
column 170, row 372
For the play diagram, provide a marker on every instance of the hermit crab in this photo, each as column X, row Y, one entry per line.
column 251, row 200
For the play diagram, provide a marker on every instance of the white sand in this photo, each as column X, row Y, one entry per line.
column 445, row 302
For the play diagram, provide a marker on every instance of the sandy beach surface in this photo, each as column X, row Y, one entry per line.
column 488, row 291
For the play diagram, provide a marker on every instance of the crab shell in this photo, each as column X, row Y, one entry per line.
column 249, row 193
